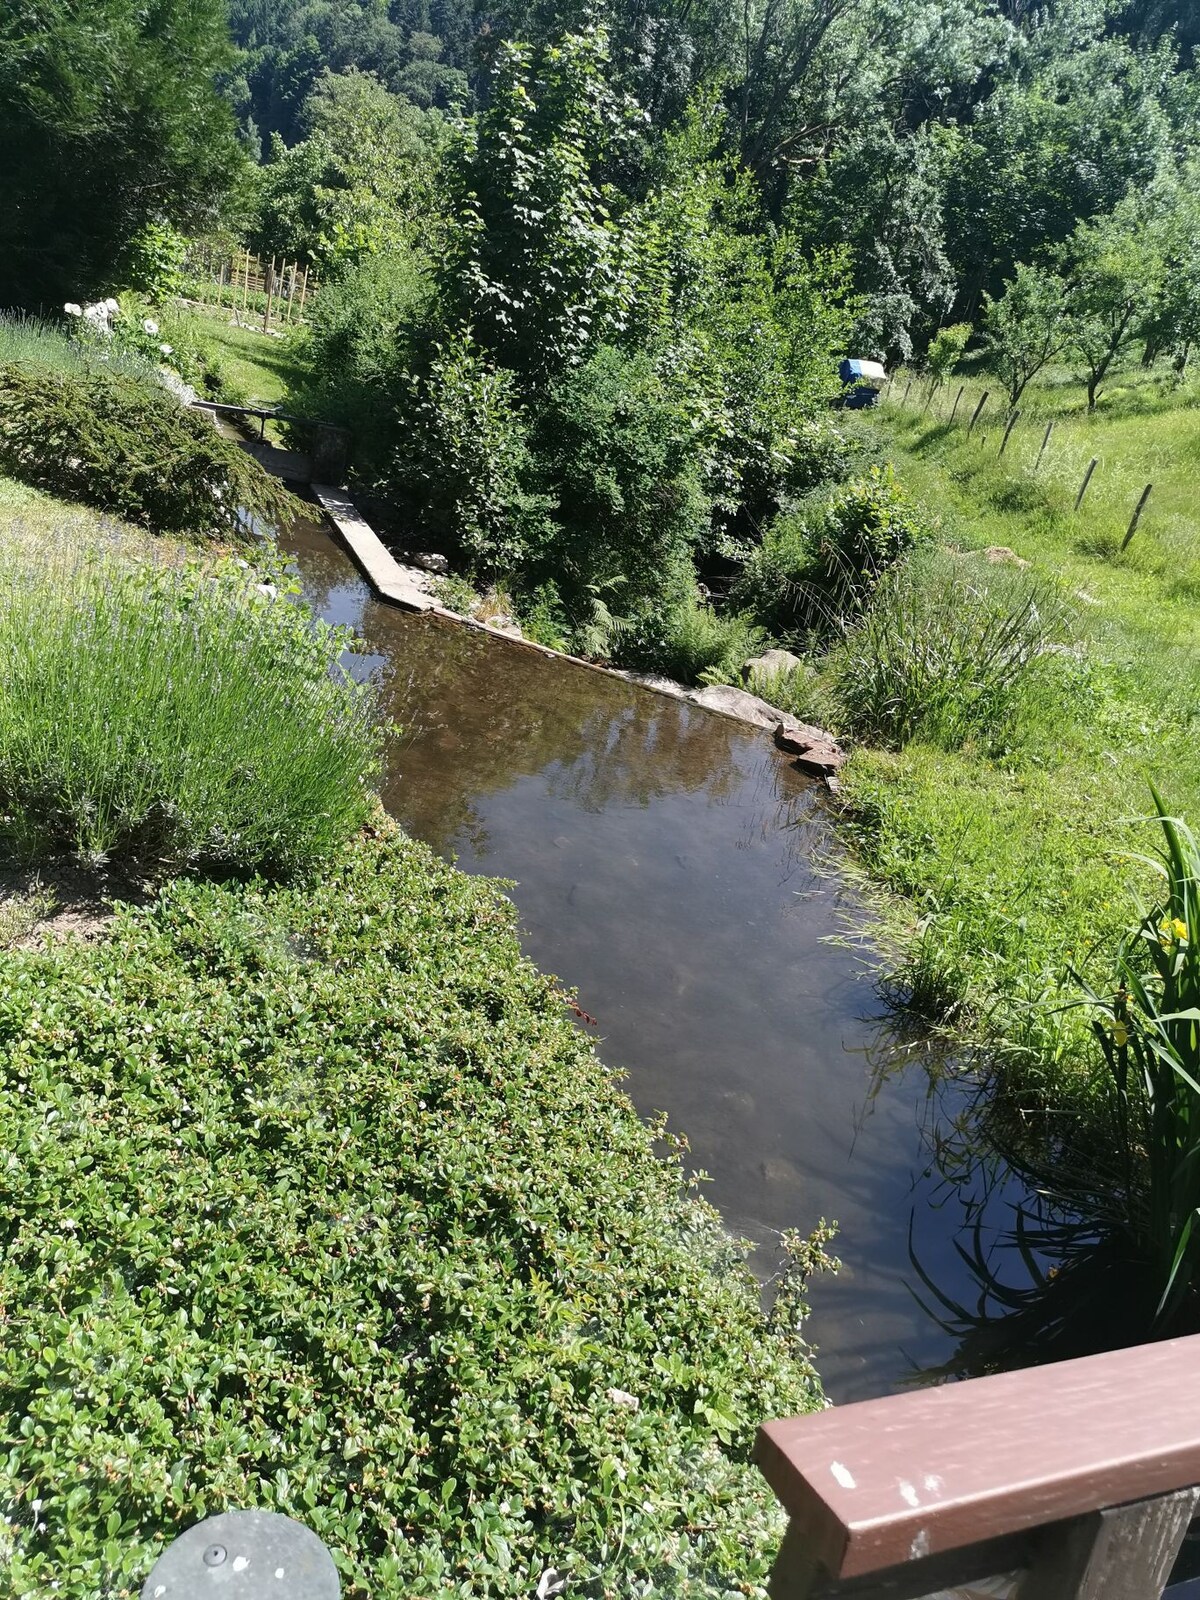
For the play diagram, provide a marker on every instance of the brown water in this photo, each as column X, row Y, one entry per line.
column 663, row 859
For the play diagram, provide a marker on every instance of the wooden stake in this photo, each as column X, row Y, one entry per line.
column 1137, row 516
column 982, row 402
column 246, row 282
column 303, row 292
column 1087, row 478
column 1045, row 442
column 270, row 286
column 957, row 398
column 1012, row 422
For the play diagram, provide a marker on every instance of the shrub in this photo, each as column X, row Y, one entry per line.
column 618, row 453
column 170, row 716
column 942, row 654
column 122, row 443
column 818, row 567
column 304, row 1210
column 462, row 461
column 691, row 641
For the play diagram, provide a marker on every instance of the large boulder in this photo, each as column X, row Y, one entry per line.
column 771, row 664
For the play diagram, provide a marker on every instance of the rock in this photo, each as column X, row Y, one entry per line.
column 770, row 664
column 1001, row 555
column 816, row 751
column 736, row 703
column 430, row 561
column 622, row 1397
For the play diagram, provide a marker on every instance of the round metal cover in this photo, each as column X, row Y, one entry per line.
column 244, row 1555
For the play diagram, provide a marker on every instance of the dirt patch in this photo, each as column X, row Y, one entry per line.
column 57, row 899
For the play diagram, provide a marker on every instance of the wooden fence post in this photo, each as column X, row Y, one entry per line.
column 907, row 387
column 983, row 398
column 1012, row 422
column 303, row 292
column 1087, row 478
column 1045, row 442
column 957, row 398
column 246, row 281
column 269, row 286
column 1125, row 1553
column 1137, row 516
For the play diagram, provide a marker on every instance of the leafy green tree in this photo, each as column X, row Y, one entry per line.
column 538, row 265
column 1115, row 270
column 1023, row 329
column 358, row 183
column 946, row 351
column 108, row 121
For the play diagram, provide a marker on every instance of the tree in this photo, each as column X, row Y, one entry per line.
column 358, row 183
column 538, row 265
column 1115, row 270
column 109, row 120
column 946, row 350
column 1023, row 329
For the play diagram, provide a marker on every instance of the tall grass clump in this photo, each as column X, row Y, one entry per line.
column 943, row 652
column 1148, row 1028
column 172, row 717
column 691, row 642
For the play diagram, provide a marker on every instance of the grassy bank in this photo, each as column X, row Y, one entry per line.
column 1016, row 860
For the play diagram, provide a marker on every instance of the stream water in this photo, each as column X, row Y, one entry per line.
column 663, row 861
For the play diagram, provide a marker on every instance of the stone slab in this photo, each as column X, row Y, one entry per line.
column 407, row 587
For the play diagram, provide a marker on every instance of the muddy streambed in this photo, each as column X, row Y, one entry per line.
column 663, row 860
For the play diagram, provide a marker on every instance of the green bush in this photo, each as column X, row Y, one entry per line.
column 691, row 642
column 174, row 716
column 122, row 443
column 618, row 454
column 944, row 653
column 462, row 463
column 316, row 1200
column 818, row 567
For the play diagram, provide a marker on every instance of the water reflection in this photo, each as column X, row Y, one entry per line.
column 663, row 860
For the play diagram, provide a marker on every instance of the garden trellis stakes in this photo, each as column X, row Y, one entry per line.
column 1087, row 478
column 954, row 410
column 983, row 398
column 1045, row 442
column 1137, row 516
column 1012, row 422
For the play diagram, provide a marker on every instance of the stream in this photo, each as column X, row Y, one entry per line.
column 676, row 870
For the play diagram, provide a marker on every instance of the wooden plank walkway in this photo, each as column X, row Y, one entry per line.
column 407, row 587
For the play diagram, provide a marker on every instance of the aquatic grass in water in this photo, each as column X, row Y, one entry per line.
column 173, row 717
column 1149, row 1032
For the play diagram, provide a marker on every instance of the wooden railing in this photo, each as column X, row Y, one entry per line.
column 1079, row 1480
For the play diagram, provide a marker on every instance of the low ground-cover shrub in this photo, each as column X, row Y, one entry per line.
column 167, row 716
column 121, row 442
column 943, row 652
column 317, row 1201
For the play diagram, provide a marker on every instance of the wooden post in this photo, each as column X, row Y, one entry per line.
column 269, row 285
column 303, row 292
column 907, row 387
column 1012, row 422
column 1045, row 442
column 1087, row 478
column 246, row 282
column 1125, row 1553
column 1137, row 516
column 983, row 398
column 291, row 292
column 957, row 398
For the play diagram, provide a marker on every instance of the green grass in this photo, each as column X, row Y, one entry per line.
column 252, row 368
column 1013, row 855
column 168, row 714
column 317, row 1201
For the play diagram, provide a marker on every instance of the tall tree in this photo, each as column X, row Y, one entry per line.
column 109, row 120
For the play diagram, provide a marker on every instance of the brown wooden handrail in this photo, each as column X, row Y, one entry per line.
column 1037, row 1471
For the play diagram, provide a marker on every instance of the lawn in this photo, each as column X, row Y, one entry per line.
column 1018, row 863
column 252, row 368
